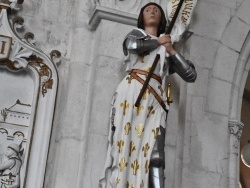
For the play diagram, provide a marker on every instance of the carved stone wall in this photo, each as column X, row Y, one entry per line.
column 28, row 93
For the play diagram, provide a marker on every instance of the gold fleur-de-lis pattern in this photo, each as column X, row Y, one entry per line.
column 132, row 148
column 136, row 128
column 142, row 184
column 123, row 164
column 124, row 105
column 145, row 149
column 156, row 132
column 146, row 166
column 139, row 129
column 120, row 144
column 129, row 78
column 135, row 166
column 127, row 128
column 138, row 109
column 151, row 111
column 129, row 186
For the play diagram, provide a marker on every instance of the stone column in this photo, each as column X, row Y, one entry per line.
column 235, row 129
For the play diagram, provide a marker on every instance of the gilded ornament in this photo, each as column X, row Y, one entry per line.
column 138, row 109
column 120, row 144
column 139, row 128
column 151, row 111
column 123, row 164
column 44, row 72
column 145, row 149
column 168, row 94
column 131, row 148
column 156, row 132
column 125, row 106
column 127, row 128
column 135, row 166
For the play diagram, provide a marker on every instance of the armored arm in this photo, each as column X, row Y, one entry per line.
column 138, row 42
column 184, row 68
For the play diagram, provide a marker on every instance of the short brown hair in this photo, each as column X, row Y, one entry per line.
column 163, row 22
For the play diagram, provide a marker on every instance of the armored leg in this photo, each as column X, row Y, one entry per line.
column 157, row 162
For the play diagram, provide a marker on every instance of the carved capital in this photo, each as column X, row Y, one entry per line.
column 235, row 129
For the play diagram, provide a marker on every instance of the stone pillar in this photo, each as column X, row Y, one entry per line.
column 235, row 129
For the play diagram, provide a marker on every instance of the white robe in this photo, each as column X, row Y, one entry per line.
column 135, row 133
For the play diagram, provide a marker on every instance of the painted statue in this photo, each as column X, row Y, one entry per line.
column 135, row 157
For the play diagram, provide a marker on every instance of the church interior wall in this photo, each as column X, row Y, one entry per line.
column 198, row 137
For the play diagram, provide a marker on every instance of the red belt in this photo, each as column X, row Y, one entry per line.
column 151, row 90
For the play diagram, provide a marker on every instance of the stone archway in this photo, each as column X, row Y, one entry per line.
column 235, row 125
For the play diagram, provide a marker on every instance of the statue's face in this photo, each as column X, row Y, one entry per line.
column 151, row 16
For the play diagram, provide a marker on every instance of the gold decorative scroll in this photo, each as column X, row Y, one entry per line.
column 44, row 72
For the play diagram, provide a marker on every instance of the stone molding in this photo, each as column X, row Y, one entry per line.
column 110, row 14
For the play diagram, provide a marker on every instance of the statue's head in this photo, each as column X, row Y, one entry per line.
column 143, row 15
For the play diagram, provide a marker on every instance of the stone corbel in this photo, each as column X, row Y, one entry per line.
column 106, row 13
column 235, row 129
column 110, row 14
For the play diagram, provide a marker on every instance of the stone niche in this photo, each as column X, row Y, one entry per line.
column 28, row 90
